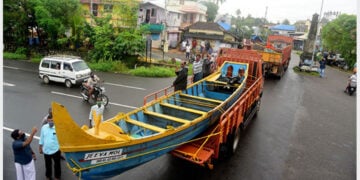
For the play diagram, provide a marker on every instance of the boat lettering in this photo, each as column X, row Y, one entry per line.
column 107, row 159
column 102, row 154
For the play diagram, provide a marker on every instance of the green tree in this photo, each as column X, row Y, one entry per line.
column 57, row 17
column 16, row 15
column 212, row 10
column 286, row 22
column 339, row 35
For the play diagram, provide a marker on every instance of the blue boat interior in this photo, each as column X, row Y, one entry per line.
column 181, row 107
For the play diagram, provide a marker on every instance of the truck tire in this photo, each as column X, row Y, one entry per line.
column 46, row 79
column 233, row 141
column 257, row 107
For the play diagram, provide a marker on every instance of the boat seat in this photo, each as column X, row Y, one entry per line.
column 201, row 98
column 183, row 108
column 172, row 118
column 145, row 125
column 109, row 129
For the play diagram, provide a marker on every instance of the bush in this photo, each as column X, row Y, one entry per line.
column 21, row 50
column 109, row 66
column 153, row 71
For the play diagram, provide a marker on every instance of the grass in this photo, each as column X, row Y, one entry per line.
column 311, row 73
column 162, row 69
column 14, row 56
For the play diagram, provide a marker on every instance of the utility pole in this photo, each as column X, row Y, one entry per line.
column 317, row 31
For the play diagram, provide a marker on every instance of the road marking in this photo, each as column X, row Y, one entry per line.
column 120, row 85
column 79, row 97
column 27, row 134
column 10, row 67
column 8, row 84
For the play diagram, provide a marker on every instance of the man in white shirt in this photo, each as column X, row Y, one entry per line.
column 99, row 110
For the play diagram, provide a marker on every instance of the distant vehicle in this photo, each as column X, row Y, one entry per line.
column 66, row 69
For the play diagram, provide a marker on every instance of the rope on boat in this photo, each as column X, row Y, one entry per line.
column 78, row 169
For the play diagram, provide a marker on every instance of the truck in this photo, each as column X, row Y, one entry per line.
column 276, row 54
column 222, row 138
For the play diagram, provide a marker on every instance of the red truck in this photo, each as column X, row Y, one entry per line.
column 276, row 54
column 222, row 139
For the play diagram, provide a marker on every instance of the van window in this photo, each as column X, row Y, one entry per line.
column 80, row 65
column 55, row 65
column 67, row 67
column 45, row 64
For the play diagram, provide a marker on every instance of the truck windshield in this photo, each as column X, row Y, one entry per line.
column 80, row 65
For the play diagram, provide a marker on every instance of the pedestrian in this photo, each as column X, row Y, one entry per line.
column 322, row 63
column 180, row 82
column 197, row 69
column 206, row 69
column 45, row 121
column 49, row 146
column 187, row 51
column 99, row 110
column 23, row 154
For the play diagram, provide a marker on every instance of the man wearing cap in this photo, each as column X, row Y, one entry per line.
column 24, row 156
column 49, row 146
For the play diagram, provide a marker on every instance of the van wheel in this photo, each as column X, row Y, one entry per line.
column 46, row 80
column 68, row 83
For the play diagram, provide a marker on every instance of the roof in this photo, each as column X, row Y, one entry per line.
column 206, row 26
column 283, row 27
column 224, row 25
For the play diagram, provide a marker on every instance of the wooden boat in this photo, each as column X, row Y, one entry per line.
column 128, row 140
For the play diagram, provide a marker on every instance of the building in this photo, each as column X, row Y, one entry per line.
column 167, row 18
column 121, row 17
column 212, row 33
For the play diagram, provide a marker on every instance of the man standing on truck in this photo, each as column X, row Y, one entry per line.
column 197, row 69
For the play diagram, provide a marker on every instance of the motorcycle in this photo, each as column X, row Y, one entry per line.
column 350, row 90
column 98, row 92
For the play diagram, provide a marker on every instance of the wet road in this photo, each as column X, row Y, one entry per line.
column 305, row 129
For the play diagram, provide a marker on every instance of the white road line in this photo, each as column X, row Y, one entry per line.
column 10, row 67
column 11, row 130
column 120, row 85
column 69, row 95
column 8, row 84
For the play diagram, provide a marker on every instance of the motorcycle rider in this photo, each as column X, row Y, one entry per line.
column 91, row 83
column 351, row 82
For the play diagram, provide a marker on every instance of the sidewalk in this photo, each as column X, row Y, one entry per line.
column 157, row 54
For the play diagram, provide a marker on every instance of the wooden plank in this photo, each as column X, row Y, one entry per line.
column 172, row 118
column 183, row 108
column 145, row 125
column 201, row 98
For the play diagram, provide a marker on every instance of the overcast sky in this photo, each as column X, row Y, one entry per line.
column 293, row 10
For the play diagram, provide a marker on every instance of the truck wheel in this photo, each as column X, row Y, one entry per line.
column 68, row 83
column 257, row 107
column 233, row 142
column 46, row 79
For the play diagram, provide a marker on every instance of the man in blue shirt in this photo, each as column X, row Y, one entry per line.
column 24, row 156
column 322, row 67
column 49, row 146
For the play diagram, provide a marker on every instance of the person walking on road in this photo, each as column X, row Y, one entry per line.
column 197, row 69
column 99, row 110
column 180, row 82
column 322, row 63
column 187, row 51
column 24, row 155
column 49, row 146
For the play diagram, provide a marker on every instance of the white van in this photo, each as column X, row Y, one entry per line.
column 66, row 69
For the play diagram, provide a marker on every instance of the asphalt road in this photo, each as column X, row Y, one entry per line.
column 305, row 129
